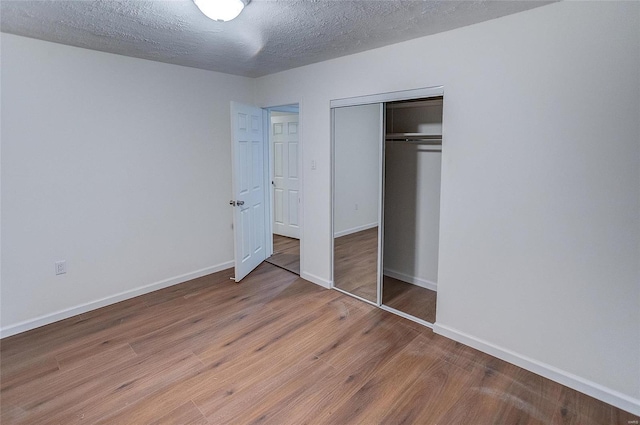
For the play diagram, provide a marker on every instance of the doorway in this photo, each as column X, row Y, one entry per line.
column 284, row 166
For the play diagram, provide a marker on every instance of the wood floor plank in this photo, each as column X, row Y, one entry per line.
column 318, row 401
column 193, row 287
column 87, row 397
column 573, row 408
column 437, row 388
column 301, row 294
column 479, row 403
column 134, row 382
column 51, row 339
column 246, row 379
column 370, row 403
column 66, row 379
column 185, row 333
column 355, row 365
column 255, row 403
column 16, row 373
column 232, row 367
column 272, row 352
column 98, row 357
column 219, row 381
column 142, row 322
column 530, row 398
column 186, row 414
column 376, row 337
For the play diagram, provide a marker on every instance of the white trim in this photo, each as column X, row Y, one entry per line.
column 316, row 279
column 268, row 168
column 301, row 147
column 355, row 230
column 381, row 161
column 112, row 299
column 568, row 379
column 388, row 97
column 424, row 283
column 332, row 198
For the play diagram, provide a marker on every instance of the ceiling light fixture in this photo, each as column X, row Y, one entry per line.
column 221, row 10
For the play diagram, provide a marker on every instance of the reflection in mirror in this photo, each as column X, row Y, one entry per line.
column 285, row 186
column 413, row 157
column 357, row 178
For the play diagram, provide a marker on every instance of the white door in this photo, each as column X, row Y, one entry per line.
column 286, row 181
column 248, row 188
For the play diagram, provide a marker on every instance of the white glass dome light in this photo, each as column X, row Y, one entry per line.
column 221, row 10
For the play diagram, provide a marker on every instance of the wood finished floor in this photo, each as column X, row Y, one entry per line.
column 273, row 349
column 411, row 299
column 286, row 253
column 355, row 263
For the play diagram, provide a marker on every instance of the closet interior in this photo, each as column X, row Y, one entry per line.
column 412, row 161
column 386, row 203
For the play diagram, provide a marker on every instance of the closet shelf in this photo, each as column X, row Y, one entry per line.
column 436, row 101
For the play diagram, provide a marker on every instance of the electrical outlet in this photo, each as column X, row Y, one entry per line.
column 356, row 207
column 61, row 267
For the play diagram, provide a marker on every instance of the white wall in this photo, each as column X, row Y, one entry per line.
column 119, row 166
column 540, row 205
column 357, row 137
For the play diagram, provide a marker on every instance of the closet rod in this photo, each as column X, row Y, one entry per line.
column 418, row 141
column 435, row 139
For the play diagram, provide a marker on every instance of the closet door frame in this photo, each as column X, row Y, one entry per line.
column 381, row 98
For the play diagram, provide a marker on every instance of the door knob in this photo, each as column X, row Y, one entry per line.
column 234, row 203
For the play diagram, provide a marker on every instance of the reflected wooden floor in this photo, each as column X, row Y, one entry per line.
column 355, row 267
column 286, row 253
column 274, row 349
column 411, row 299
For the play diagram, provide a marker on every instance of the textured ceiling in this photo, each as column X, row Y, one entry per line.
column 267, row 37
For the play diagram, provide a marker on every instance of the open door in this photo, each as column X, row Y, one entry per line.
column 248, row 150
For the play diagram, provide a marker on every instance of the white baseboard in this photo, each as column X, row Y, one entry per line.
column 315, row 279
column 411, row 279
column 355, row 229
column 570, row 380
column 112, row 299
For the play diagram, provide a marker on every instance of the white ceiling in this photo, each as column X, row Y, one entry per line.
column 268, row 36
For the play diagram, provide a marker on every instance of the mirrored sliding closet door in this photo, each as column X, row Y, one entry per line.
column 357, row 179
